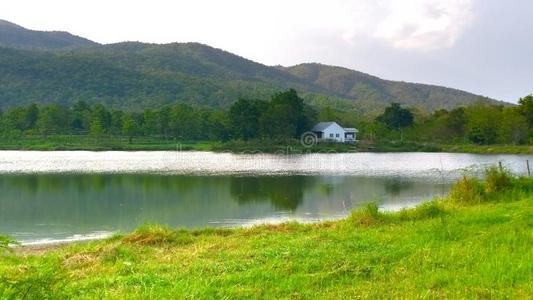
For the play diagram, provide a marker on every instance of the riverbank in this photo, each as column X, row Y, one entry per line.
column 476, row 243
column 74, row 142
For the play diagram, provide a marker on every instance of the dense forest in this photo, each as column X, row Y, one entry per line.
column 283, row 117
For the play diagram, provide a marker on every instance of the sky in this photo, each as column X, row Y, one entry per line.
column 481, row 46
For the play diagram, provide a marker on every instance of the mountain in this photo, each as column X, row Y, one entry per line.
column 12, row 35
column 135, row 75
column 367, row 89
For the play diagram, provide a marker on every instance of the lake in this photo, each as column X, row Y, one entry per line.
column 56, row 196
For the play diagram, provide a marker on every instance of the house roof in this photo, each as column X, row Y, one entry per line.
column 351, row 130
column 319, row 127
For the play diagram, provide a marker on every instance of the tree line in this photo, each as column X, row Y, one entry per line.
column 284, row 116
column 480, row 123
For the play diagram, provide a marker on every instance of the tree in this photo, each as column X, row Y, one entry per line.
column 526, row 109
column 513, row 127
column 165, row 121
column 481, row 125
column 96, row 129
column 150, row 122
column 286, row 116
column 82, row 116
column 244, row 116
column 129, row 127
column 103, row 115
column 397, row 118
column 327, row 114
column 183, row 121
column 116, row 122
column 47, row 121
column 16, row 118
column 30, row 116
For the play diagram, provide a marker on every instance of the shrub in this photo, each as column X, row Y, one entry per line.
column 5, row 242
column 497, row 180
column 423, row 211
column 367, row 216
column 468, row 190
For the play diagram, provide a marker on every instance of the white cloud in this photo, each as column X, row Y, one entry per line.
column 423, row 24
column 411, row 24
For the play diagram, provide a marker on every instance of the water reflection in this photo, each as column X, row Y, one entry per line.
column 58, row 206
column 394, row 186
column 283, row 193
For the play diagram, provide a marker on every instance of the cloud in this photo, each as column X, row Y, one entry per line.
column 411, row 24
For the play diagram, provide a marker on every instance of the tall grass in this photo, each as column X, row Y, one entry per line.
column 498, row 181
column 467, row 190
column 370, row 215
column 6, row 242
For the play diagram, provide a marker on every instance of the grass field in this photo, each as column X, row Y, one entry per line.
column 489, row 149
column 476, row 243
column 79, row 142
column 106, row 143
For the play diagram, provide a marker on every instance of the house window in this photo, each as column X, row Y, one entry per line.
column 337, row 135
column 331, row 135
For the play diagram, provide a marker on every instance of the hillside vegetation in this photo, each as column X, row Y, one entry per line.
column 56, row 67
column 16, row 36
column 373, row 92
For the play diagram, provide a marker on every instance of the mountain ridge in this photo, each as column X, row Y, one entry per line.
column 16, row 36
column 137, row 75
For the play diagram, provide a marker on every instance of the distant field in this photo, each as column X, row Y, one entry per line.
column 83, row 142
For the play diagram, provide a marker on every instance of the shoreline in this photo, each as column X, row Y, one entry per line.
column 84, row 143
column 282, row 150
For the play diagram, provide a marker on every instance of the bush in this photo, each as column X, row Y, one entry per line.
column 5, row 242
column 367, row 216
column 497, row 180
column 468, row 190
column 427, row 210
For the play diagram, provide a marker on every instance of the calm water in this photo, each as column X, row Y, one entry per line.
column 55, row 196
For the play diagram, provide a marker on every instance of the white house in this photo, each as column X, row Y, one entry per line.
column 331, row 131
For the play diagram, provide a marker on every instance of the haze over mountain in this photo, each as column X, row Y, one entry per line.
column 47, row 67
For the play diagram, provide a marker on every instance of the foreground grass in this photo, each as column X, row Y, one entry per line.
column 477, row 243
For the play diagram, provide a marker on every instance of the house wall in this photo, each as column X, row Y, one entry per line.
column 336, row 131
column 353, row 135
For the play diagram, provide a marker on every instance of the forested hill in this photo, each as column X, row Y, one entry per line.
column 370, row 89
column 12, row 35
column 134, row 75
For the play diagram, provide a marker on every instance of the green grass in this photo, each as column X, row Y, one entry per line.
column 397, row 146
column 489, row 149
column 83, row 142
column 450, row 248
column 79, row 142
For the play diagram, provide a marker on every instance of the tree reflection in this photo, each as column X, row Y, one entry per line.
column 395, row 186
column 285, row 192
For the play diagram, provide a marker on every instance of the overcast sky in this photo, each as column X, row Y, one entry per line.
column 482, row 46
